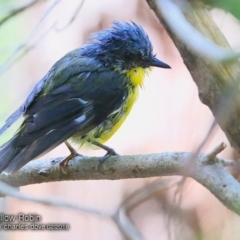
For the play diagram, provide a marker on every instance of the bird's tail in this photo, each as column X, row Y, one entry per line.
column 10, row 157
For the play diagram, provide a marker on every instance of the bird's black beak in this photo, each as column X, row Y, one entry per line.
column 157, row 63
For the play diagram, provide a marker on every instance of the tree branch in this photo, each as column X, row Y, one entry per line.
column 218, row 83
column 210, row 174
column 189, row 35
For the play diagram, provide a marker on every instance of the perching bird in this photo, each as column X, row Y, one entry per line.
column 85, row 97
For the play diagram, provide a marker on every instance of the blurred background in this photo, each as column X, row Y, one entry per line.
column 168, row 116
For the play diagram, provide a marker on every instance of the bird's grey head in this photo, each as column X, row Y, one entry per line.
column 124, row 46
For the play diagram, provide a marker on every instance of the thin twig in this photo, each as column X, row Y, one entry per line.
column 25, row 49
column 24, row 46
column 73, row 18
column 5, row 189
column 18, row 10
column 121, row 216
column 146, row 192
column 191, row 161
column 126, row 226
column 212, row 156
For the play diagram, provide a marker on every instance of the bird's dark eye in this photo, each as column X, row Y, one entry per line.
column 129, row 56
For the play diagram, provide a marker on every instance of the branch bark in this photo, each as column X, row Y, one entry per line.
column 209, row 173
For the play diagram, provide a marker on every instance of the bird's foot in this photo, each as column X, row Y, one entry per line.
column 73, row 153
column 110, row 152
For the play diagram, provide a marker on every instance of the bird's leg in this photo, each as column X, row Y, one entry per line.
column 73, row 153
column 110, row 151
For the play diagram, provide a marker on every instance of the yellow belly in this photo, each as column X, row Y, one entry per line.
column 120, row 117
column 137, row 77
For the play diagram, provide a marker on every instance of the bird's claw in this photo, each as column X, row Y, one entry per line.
column 110, row 152
column 64, row 163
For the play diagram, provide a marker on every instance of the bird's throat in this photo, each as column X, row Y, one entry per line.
column 137, row 75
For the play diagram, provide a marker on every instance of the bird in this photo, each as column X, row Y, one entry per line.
column 84, row 98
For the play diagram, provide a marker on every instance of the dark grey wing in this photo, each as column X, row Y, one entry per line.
column 20, row 111
column 68, row 66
